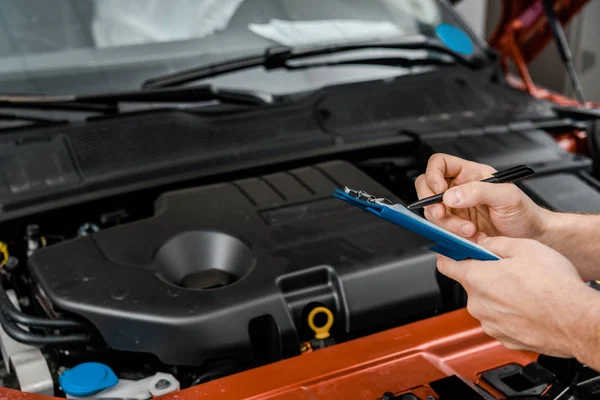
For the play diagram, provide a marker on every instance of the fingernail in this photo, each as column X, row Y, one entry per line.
column 466, row 229
column 453, row 197
column 484, row 240
column 436, row 188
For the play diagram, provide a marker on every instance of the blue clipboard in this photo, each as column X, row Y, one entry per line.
column 447, row 243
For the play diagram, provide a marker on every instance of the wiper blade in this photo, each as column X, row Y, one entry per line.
column 275, row 58
column 396, row 61
column 180, row 95
column 53, row 103
column 9, row 121
column 108, row 103
column 27, row 118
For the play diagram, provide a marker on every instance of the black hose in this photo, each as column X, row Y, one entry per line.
column 27, row 320
column 25, row 337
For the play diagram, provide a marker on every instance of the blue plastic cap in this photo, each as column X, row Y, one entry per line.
column 455, row 39
column 87, row 379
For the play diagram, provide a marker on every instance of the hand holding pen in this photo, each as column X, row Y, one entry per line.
column 506, row 176
column 477, row 200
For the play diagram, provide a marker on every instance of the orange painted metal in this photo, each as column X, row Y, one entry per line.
column 523, row 32
column 520, row 35
column 526, row 22
column 574, row 142
column 542, row 93
column 396, row 360
column 9, row 394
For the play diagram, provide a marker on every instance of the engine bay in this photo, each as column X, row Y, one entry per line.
column 123, row 256
column 221, row 278
column 267, row 252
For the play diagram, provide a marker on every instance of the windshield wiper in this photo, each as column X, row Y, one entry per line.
column 396, row 61
column 276, row 58
column 108, row 103
column 111, row 103
column 195, row 94
column 27, row 118
column 13, row 120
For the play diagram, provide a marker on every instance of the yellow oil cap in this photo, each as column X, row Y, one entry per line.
column 321, row 332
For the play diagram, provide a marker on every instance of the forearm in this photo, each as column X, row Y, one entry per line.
column 584, row 328
column 576, row 236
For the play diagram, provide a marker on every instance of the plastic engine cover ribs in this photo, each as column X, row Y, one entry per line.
column 220, row 265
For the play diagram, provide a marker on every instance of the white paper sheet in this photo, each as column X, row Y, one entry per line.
column 301, row 33
column 134, row 22
column 426, row 11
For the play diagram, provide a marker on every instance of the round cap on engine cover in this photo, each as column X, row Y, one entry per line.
column 87, row 379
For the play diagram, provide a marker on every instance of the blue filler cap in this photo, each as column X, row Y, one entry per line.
column 455, row 39
column 87, row 379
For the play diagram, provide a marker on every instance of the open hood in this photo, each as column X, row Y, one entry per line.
column 523, row 32
column 523, row 24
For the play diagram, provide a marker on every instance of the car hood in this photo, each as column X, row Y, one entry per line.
column 526, row 22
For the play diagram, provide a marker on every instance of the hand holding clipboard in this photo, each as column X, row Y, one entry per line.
column 447, row 243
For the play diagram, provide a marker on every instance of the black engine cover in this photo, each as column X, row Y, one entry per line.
column 192, row 282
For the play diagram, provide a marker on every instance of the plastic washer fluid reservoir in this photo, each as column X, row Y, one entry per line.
column 455, row 39
column 87, row 379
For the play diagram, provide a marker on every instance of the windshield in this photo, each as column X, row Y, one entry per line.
column 96, row 46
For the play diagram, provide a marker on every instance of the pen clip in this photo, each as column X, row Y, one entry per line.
column 519, row 170
column 514, row 173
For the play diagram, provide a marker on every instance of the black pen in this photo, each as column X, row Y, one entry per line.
column 506, row 176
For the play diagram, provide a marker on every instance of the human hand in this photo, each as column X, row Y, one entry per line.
column 533, row 299
column 475, row 209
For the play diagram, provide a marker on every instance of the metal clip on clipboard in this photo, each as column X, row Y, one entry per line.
column 447, row 243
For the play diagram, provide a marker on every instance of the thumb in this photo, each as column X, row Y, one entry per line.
column 490, row 194
column 507, row 247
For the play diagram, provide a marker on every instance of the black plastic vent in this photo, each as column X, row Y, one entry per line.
column 169, row 138
column 390, row 104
